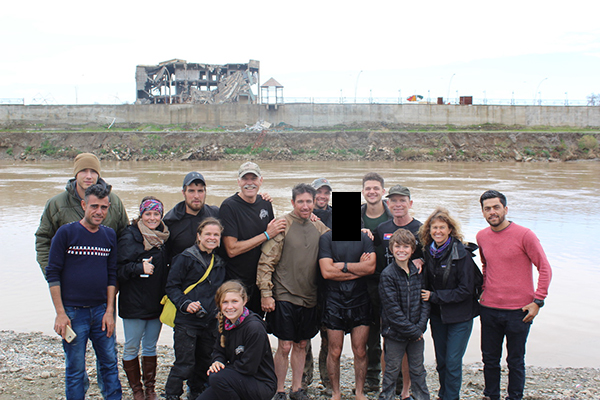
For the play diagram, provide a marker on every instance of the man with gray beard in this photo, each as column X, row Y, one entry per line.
column 248, row 222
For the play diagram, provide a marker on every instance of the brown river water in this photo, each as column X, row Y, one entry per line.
column 560, row 202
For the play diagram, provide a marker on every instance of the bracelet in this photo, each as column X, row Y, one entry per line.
column 267, row 235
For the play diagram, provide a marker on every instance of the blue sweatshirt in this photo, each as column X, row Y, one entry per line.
column 83, row 264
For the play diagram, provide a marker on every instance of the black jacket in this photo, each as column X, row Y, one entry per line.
column 403, row 314
column 248, row 351
column 139, row 298
column 326, row 216
column 187, row 268
column 183, row 226
column 450, row 279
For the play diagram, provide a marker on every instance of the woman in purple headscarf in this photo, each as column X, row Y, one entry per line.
column 142, row 273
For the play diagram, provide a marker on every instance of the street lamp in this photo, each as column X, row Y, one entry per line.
column 356, row 85
column 536, row 91
column 448, row 94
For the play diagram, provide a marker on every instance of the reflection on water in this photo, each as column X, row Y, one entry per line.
column 560, row 202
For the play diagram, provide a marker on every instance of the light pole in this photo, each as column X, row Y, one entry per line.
column 356, row 85
column 536, row 90
column 449, row 83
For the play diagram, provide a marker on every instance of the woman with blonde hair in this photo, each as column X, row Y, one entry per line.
column 450, row 289
column 242, row 365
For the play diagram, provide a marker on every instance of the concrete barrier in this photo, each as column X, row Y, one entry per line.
column 301, row 115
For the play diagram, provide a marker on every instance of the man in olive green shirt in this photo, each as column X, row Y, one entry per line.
column 66, row 206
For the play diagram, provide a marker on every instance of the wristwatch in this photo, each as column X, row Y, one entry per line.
column 540, row 303
column 345, row 269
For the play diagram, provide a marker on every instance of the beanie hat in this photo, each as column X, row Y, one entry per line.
column 86, row 160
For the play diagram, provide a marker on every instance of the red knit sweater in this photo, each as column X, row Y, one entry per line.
column 507, row 258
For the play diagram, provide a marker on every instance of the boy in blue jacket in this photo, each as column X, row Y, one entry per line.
column 403, row 318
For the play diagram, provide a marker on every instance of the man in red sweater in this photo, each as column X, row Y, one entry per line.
column 509, row 301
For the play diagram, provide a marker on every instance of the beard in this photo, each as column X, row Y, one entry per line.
column 196, row 206
column 501, row 219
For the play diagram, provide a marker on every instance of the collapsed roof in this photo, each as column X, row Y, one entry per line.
column 177, row 81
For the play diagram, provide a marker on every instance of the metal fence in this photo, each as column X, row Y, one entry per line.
column 20, row 102
column 452, row 101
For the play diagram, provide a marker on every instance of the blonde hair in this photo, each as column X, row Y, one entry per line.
column 233, row 286
column 439, row 214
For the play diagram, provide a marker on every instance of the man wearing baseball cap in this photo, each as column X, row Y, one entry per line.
column 184, row 218
column 322, row 208
column 66, row 206
column 399, row 203
column 248, row 221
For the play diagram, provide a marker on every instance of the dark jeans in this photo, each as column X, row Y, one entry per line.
column 231, row 385
column 450, row 342
column 495, row 325
column 193, row 350
column 394, row 353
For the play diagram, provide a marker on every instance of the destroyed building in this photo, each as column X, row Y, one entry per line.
column 177, row 82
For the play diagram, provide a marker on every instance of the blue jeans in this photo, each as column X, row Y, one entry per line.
column 495, row 325
column 393, row 354
column 87, row 324
column 450, row 342
column 141, row 331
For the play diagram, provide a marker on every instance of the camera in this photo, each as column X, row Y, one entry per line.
column 201, row 313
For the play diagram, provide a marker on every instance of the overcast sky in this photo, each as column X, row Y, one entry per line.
column 67, row 52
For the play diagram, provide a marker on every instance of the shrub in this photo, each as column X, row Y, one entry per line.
column 588, row 142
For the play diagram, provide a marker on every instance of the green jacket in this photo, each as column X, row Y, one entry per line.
column 65, row 208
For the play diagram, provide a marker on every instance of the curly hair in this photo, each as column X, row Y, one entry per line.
column 233, row 286
column 439, row 214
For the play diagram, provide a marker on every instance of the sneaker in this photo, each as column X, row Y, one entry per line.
column 280, row 396
column 300, row 394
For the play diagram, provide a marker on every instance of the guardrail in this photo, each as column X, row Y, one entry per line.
column 433, row 101
column 14, row 101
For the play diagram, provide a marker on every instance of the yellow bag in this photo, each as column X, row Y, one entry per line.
column 167, row 316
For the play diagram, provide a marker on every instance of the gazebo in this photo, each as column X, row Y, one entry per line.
column 271, row 93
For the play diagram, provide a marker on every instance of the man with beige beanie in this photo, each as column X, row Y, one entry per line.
column 66, row 206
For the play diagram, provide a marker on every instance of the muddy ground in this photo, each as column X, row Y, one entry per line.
column 32, row 367
column 418, row 143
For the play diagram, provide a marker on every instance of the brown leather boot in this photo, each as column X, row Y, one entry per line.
column 149, row 371
column 132, row 370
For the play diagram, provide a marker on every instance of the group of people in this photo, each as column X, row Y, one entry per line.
column 236, row 273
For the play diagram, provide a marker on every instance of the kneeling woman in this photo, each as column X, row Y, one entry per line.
column 450, row 286
column 195, row 329
column 242, row 365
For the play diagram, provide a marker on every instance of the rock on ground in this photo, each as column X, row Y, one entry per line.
column 32, row 367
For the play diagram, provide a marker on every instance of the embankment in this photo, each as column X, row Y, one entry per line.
column 418, row 143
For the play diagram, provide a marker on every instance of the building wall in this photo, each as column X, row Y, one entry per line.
column 301, row 115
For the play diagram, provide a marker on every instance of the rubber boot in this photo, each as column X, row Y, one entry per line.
column 132, row 370
column 149, row 371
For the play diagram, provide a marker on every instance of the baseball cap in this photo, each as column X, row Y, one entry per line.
column 398, row 189
column 249, row 168
column 191, row 177
column 320, row 182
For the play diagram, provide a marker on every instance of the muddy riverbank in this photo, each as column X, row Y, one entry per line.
column 32, row 367
column 414, row 143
